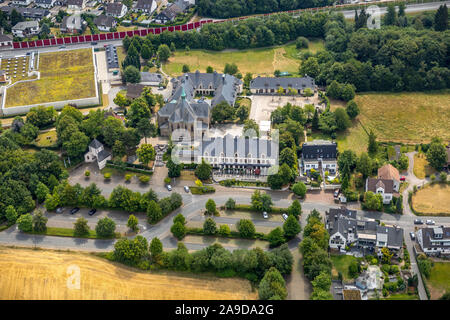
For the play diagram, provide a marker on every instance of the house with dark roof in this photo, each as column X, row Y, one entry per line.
column 45, row 3
column 76, row 4
column 384, row 187
column 5, row 42
column 151, row 78
column 173, row 9
column 22, row 2
column 147, row 6
column 134, row 90
column 271, row 85
column 320, row 155
column 389, row 172
column 28, row 13
column 434, row 241
column 97, row 153
column 105, row 23
column 116, row 9
column 183, row 111
column 346, row 230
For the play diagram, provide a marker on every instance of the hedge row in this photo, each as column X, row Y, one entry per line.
column 202, row 190
column 248, row 207
column 233, row 234
column 131, row 169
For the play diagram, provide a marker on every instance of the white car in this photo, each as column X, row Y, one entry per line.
column 265, row 215
column 169, row 187
column 430, row 222
column 285, row 216
column 186, row 188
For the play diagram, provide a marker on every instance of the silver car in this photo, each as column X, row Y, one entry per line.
column 186, row 188
column 265, row 215
column 285, row 216
column 430, row 222
column 169, row 187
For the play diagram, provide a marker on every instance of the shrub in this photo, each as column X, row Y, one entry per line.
column 128, row 177
column 144, row 179
column 167, row 180
column 178, row 230
column 224, row 230
column 107, row 175
column 87, row 173
column 105, row 227
column 299, row 189
column 246, row 228
column 25, row 223
column 230, row 204
column 209, row 226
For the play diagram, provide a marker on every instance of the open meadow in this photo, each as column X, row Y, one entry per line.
column 433, row 199
column 43, row 274
column 65, row 75
column 262, row 61
column 439, row 280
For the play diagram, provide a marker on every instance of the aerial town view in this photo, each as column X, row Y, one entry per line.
column 224, row 150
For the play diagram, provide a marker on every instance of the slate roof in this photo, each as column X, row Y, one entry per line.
column 105, row 21
column 114, row 8
column 428, row 234
column 243, row 146
column 394, row 235
column 27, row 12
column 388, row 172
column 43, row 1
column 373, row 184
column 134, row 90
column 173, row 9
column 274, row 83
column 78, row 3
column 5, row 38
column 95, row 144
column 72, row 22
column 151, row 77
column 144, row 4
column 102, row 155
column 319, row 149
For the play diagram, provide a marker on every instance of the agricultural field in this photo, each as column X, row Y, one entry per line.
column 433, row 199
column 43, row 274
column 64, row 75
column 261, row 62
column 439, row 280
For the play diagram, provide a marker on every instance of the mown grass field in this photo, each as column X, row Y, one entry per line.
column 46, row 139
column 409, row 118
column 439, row 280
column 43, row 274
column 341, row 264
column 433, row 199
column 262, row 61
column 422, row 168
column 64, row 75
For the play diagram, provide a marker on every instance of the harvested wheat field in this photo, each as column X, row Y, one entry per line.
column 434, row 199
column 28, row 274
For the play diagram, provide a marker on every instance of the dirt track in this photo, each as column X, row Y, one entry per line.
column 42, row 274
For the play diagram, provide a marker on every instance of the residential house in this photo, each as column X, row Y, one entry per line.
column 105, row 23
column 389, row 172
column 28, row 13
column 320, row 155
column 5, row 42
column 76, row 4
column 381, row 186
column 47, row 4
column 147, row 6
column 26, row 29
column 151, row 78
column 97, row 153
column 434, row 241
column 116, row 10
column 271, row 85
column 73, row 24
column 22, row 2
column 173, row 9
column 134, row 90
column 183, row 111
column 347, row 230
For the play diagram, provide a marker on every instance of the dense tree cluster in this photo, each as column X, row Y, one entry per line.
column 237, row 8
column 316, row 263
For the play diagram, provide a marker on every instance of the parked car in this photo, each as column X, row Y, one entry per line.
column 412, row 235
column 59, row 210
column 93, row 43
column 62, row 47
column 169, row 187
column 92, row 211
column 430, row 222
column 285, row 216
column 74, row 210
column 265, row 215
column 418, row 221
column 186, row 188
column 336, row 193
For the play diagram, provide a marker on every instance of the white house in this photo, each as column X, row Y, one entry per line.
column 147, row 6
column 5, row 42
column 97, row 153
column 105, row 23
column 116, row 9
column 76, row 4
column 381, row 186
column 47, row 4
column 22, row 2
column 319, row 154
column 434, row 241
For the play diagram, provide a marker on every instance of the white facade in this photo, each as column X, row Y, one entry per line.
column 435, row 244
column 22, row 2
column 387, row 197
column 93, row 155
column 47, row 5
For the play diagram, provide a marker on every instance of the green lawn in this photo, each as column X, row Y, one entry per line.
column 439, row 280
column 65, row 232
column 46, row 139
column 341, row 264
column 65, row 75
column 262, row 61
column 402, row 296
